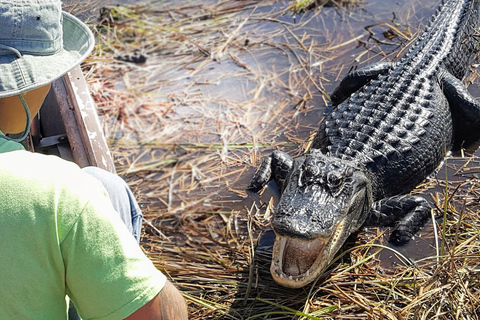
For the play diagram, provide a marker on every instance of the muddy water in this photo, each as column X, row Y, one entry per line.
column 331, row 27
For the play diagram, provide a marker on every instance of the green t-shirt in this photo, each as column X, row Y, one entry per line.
column 59, row 235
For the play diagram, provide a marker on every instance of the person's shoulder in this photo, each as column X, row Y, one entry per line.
column 32, row 163
column 26, row 164
column 34, row 173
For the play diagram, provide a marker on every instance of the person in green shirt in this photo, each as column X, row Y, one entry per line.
column 66, row 233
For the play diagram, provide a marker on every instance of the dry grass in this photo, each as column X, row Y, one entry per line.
column 224, row 83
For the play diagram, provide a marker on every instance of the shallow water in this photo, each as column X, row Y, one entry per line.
column 328, row 28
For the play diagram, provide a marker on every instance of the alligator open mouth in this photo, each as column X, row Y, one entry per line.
column 297, row 262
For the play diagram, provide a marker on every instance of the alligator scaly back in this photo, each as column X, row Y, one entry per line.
column 464, row 44
column 399, row 124
column 390, row 128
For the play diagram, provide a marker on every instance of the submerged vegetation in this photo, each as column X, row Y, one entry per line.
column 302, row 5
column 193, row 93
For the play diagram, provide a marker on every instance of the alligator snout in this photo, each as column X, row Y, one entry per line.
column 306, row 223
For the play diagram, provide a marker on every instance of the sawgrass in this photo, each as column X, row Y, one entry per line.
column 226, row 82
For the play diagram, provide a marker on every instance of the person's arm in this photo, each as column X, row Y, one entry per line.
column 168, row 304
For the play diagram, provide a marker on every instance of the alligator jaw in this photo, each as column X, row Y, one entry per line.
column 296, row 262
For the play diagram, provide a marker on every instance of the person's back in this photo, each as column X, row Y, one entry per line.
column 60, row 232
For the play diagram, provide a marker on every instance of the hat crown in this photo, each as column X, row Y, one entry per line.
column 31, row 26
column 39, row 43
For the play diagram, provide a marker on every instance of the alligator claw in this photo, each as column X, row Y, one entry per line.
column 262, row 176
column 410, row 225
column 407, row 213
column 276, row 166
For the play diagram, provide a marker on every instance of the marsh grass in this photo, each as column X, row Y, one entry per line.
column 226, row 82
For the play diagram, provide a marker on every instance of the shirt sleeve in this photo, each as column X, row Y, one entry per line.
column 107, row 274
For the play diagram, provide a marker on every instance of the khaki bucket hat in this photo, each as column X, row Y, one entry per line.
column 39, row 43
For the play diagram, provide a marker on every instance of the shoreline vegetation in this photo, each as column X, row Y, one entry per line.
column 192, row 94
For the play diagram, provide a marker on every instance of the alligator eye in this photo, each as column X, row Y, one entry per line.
column 311, row 171
column 334, row 179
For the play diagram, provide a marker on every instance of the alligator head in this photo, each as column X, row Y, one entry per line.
column 324, row 201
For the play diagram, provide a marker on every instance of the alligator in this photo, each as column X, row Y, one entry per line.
column 390, row 127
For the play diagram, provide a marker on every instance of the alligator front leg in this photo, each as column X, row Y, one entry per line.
column 276, row 166
column 407, row 213
column 465, row 111
column 357, row 79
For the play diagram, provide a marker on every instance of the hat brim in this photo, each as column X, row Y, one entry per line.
column 19, row 75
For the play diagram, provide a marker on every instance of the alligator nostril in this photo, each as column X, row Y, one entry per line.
column 334, row 179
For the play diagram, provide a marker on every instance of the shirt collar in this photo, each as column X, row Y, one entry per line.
column 9, row 145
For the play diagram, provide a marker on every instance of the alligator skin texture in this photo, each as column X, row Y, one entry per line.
column 400, row 119
column 392, row 124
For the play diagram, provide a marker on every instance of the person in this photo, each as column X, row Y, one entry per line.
column 66, row 232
